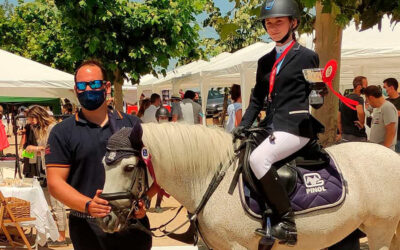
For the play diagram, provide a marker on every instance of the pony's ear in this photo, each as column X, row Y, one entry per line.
column 136, row 136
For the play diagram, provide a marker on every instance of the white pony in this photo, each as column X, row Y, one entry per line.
column 185, row 158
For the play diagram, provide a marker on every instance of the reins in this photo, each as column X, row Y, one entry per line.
column 192, row 217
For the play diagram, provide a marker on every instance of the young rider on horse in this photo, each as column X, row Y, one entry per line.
column 280, row 79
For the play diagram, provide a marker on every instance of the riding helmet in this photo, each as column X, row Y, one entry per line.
column 162, row 111
column 279, row 8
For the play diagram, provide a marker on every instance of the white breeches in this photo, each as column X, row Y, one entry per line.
column 267, row 153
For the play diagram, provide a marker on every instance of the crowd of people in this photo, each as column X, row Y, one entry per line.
column 380, row 111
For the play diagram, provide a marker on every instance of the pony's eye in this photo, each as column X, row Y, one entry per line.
column 129, row 168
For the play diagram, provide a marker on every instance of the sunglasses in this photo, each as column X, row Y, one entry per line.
column 96, row 84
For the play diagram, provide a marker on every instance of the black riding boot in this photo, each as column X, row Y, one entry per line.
column 277, row 197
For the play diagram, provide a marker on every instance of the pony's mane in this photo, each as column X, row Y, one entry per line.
column 198, row 148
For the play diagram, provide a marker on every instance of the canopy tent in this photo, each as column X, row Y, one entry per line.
column 371, row 53
column 21, row 77
column 54, row 103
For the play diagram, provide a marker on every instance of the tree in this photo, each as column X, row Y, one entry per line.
column 130, row 38
column 330, row 19
column 33, row 30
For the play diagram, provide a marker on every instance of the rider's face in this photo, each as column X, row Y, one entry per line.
column 278, row 27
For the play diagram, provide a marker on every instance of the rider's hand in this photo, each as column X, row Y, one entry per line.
column 238, row 132
column 98, row 207
column 141, row 212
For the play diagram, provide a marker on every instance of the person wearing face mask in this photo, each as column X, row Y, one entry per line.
column 290, row 125
column 351, row 122
column 75, row 172
column 390, row 87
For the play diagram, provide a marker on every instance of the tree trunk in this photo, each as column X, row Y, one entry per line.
column 328, row 45
column 224, row 107
column 118, row 95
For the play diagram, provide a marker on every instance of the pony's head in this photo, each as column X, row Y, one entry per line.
column 125, row 177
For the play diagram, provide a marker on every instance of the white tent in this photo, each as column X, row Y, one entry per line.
column 21, row 77
column 371, row 53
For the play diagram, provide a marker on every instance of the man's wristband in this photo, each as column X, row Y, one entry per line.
column 87, row 206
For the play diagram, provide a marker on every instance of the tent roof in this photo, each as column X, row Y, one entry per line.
column 22, row 77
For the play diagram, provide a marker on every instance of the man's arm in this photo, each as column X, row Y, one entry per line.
column 390, row 133
column 62, row 191
column 360, row 114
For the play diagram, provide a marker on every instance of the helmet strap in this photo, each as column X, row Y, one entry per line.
column 286, row 37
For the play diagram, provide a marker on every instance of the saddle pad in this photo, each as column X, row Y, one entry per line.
column 315, row 189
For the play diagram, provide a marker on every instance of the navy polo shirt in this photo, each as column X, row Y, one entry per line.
column 80, row 145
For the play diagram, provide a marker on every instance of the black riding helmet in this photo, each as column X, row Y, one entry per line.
column 280, row 8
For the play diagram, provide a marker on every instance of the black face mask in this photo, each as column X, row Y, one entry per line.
column 92, row 100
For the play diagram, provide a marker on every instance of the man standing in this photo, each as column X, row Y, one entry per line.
column 150, row 112
column 351, row 122
column 390, row 86
column 75, row 172
column 176, row 108
column 384, row 118
column 191, row 110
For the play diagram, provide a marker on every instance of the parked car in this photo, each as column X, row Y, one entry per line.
column 215, row 101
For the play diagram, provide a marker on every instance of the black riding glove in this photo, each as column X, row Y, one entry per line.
column 238, row 132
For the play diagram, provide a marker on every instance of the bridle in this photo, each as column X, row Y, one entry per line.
column 127, row 195
column 192, row 217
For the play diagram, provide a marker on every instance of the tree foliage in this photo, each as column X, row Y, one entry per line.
column 240, row 26
column 33, row 30
column 130, row 37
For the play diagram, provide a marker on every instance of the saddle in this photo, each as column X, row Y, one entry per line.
column 310, row 156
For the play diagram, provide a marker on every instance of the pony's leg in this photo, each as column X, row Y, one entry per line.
column 396, row 239
column 380, row 234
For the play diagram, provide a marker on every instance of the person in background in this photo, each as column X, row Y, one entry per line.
column 67, row 109
column 162, row 116
column 176, row 111
column 196, row 97
column 28, row 138
column 384, row 118
column 42, row 124
column 234, row 109
column 351, row 122
column 390, row 86
column 145, row 103
column 150, row 113
column 3, row 135
column 191, row 111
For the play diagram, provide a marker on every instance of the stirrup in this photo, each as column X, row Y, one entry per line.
column 284, row 235
column 266, row 236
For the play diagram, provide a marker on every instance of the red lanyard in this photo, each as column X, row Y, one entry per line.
column 274, row 69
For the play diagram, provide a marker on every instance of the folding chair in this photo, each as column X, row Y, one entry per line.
column 12, row 221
